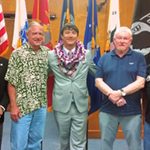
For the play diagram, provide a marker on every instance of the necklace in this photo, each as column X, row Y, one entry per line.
column 68, row 64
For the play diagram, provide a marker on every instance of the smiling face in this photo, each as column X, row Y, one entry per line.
column 69, row 36
column 35, row 36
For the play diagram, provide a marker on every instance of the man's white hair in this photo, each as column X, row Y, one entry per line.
column 33, row 23
column 123, row 29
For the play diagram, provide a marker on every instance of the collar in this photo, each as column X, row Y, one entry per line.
column 29, row 48
column 113, row 53
column 68, row 51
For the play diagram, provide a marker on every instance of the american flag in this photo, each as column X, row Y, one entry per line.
column 3, row 34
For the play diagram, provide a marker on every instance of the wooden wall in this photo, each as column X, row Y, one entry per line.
column 80, row 11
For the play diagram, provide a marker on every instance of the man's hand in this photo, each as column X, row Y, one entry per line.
column 121, row 102
column 89, row 104
column 1, row 112
column 15, row 113
column 114, row 96
column 117, row 99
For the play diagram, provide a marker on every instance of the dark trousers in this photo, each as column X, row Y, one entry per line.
column 1, row 132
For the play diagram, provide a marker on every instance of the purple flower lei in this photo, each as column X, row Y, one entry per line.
column 68, row 63
column 78, row 54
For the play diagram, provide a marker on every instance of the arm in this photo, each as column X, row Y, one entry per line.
column 140, row 78
column 129, row 89
column 102, row 86
column 114, row 96
column 14, row 109
column 134, row 86
column 13, row 77
column 92, row 65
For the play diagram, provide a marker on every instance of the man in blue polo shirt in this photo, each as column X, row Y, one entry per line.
column 120, row 77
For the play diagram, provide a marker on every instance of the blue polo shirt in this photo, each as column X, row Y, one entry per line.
column 119, row 72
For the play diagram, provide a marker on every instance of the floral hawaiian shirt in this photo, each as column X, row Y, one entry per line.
column 28, row 71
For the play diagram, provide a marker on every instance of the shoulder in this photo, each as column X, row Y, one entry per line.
column 88, row 53
column 45, row 48
column 51, row 54
column 107, row 55
column 17, row 52
column 137, row 54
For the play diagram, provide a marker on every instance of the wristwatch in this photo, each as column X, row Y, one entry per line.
column 122, row 92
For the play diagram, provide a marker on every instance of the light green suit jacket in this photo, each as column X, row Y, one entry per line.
column 71, row 89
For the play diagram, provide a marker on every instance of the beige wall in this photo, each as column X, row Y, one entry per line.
column 80, row 11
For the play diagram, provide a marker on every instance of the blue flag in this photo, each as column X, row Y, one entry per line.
column 67, row 15
column 90, row 42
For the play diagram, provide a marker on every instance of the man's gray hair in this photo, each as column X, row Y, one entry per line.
column 123, row 29
column 33, row 23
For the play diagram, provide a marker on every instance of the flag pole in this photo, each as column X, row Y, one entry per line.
column 68, row 12
column 93, row 40
column 38, row 13
column 107, row 44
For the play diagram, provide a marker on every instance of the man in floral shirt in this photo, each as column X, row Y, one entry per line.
column 27, row 76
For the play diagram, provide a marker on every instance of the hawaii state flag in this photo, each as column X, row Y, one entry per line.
column 91, row 42
column 41, row 14
column 113, row 23
column 4, row 43
column 141, row 28
column 20, row 25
